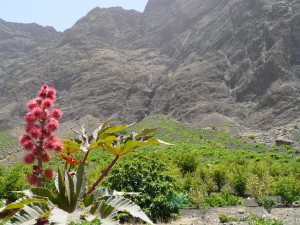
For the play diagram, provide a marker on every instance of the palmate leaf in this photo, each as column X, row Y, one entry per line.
column 70, row 191
column 109, row 148
column 24, row 201
column 70, row 146
column 101, row 141
column 80, row 181
column 29, row 214
column 130, row 145
column 115, row 129
column 123, row 204
column 104, row 192
column 145, row 132
column 104, row 212
column 43, row 192
column 59, row 183
column 14, row 207
column 100, row 129
column 61, row 217
column 105, row 129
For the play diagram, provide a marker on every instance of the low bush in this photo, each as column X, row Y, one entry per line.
column 252, row 219
column 13, row 178
column 222, row 199
column 219, row 176
column 268, row 202
column 288, row 188
column 157, row 191
column 186, row 161
column 238, row 181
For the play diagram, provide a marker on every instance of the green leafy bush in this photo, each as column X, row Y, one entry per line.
column 219, row 176
column 252, row 219
column 239, row 181
column 267, row 202
column 186, row 161
column 13, row 178
column 157, row 190
column 223, row 199
column 288, row 188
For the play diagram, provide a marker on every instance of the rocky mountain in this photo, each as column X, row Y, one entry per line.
column 184, row 58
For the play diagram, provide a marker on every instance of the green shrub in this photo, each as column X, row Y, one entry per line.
column 186, row 161
column 267, row 202
column 252, row 220
column 260, row 185
column 288, row 188
column 223, row 199
column 259, row 220
column 13, row 178
column 197, row 192
column 157, row 192
column 238, row 181
column 219, row 176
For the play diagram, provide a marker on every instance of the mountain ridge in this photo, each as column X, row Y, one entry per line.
column 186, row 59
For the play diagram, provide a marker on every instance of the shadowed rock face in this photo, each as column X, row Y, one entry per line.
column 187, row 59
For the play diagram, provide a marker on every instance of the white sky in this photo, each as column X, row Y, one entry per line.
column 60, row 14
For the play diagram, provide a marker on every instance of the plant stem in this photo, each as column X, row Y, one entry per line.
column 103, row 175
column 85, row 157
column 66, row 166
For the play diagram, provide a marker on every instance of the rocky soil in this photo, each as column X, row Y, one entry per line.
column 210, row 216
column 186, row 59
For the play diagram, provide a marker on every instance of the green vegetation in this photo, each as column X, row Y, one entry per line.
column 7, row 141
column 223, row 199
column 201, row 168
column 157, row 190
column 13, row 178
column 252, row 219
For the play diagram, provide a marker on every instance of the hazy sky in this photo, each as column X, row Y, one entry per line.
column 61, row 14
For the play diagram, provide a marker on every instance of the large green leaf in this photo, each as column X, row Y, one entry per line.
column 115, row 129
column 104, row 192
column 80, row 181
column 13, row 208
column 130, row 145
column 145, row 132
column 29, row 214
column 104, row 212
column 100, row 129
column 104, row 139
column 43, row 192
column 61, row 217
column 70, row 146
column 123, row 204
column 59, row 183
column 25, row 201
column 108, row 147
column 71, row 195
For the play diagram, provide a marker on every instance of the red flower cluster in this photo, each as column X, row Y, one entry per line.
column 42, row 121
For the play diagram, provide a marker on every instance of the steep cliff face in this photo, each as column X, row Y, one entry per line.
column 187, row 59
column 238, row 58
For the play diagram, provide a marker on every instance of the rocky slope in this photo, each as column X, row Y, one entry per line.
column 187, row 59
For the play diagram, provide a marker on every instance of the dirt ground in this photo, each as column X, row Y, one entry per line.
column 210, row 216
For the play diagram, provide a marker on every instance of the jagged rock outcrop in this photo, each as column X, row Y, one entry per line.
column 187, row 59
